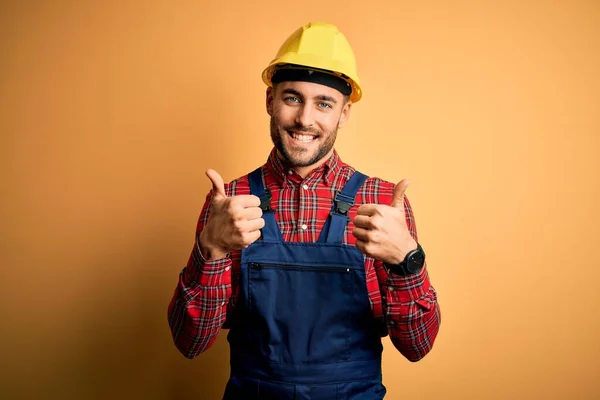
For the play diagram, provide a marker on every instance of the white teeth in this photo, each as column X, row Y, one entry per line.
column 303, row 138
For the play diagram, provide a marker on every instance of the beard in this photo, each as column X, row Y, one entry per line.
column 300, row 156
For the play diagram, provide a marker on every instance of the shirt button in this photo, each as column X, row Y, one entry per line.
column 304, row 226
column 305, row 186
column 290, row 172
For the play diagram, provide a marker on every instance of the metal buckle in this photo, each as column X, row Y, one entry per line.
column 341, row 207
column 265, row 203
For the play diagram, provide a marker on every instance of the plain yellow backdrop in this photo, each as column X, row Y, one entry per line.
column 110, row 112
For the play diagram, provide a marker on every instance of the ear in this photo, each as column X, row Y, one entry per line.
column 269, row 101
column 345, row 114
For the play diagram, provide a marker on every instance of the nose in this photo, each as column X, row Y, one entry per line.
column 305, row 116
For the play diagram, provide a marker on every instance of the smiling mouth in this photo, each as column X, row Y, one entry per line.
column 302, row 138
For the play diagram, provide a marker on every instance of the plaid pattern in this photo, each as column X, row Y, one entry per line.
column 207, row 291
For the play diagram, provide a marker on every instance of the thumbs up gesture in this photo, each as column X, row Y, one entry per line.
column 233, row 223
column 381, row 231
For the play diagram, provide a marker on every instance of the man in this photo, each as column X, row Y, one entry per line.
column 305, row 260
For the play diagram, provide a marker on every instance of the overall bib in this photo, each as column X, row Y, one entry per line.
column 304, row 326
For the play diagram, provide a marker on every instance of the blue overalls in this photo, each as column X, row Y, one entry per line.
column 304, row 328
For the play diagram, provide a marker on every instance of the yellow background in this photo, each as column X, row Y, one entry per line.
column 112, row 111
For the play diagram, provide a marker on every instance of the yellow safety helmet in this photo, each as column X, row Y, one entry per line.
column 319, row 46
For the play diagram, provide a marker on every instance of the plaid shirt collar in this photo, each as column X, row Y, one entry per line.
column 286, row 176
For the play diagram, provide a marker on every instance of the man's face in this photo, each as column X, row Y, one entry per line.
column 305, row 118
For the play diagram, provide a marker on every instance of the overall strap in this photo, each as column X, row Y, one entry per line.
column 333, row 230
column 270, row 232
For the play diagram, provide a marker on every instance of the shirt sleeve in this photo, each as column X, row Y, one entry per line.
column 410, row 305
column 198, row 307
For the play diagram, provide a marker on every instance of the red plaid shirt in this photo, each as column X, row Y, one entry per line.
column 207, row 291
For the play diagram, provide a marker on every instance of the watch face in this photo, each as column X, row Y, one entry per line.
column 416, row 261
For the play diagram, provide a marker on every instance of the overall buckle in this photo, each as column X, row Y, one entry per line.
column 342, row 204
column 265, row 202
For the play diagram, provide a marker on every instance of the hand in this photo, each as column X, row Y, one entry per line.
column 233, row 223
column 381, row 231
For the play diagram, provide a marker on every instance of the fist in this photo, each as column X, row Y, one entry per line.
column 381, row 231
column 233, row 223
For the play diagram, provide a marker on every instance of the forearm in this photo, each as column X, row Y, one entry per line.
column 412, row 313
column 198, row 308
column 412, row 310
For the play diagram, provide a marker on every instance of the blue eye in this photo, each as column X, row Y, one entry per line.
column 292, row 99
column 324, row 105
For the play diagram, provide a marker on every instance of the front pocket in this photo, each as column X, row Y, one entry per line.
column 302, row 314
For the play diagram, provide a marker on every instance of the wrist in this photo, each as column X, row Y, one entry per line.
column 209, row 251
column 403, row 252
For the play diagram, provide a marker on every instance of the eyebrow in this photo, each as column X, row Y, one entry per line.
column 320, row 97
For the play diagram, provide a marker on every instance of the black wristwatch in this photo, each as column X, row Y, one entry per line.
column 413, row 262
